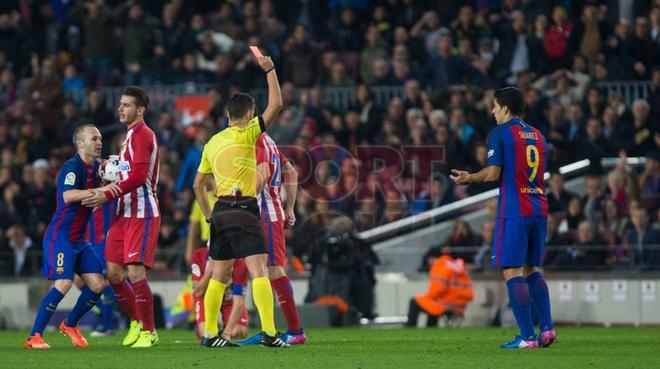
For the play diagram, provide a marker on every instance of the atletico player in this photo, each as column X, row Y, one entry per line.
column 133, row 236
column 517, row 159
column 277, row 214
column 65, row 250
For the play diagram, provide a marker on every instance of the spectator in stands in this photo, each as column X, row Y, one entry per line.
column 444, row 69
column 558, row 196
column 301, row 59
column 45, row 96
column 587, row 252
column 449, row 291
column 564, row 87
column 642, row 49
column 616, row 189
column 96, row 110
column 192, row 159
column 462, row 241
column 137, row 39
column 437, row 194
column 642, row 240
column 654, row 98
column 372, row 51
column 589, row 33
column 644, row 136
column 556, row 39
column 482, row 258
column 96, row 19
column 594, row 145
column 649, row 181
column 574, row 216
column 594, row 199
column 22, row 258
column 70, row 121
column 612, row 229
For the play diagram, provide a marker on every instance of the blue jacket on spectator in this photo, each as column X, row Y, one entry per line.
column 188, row 169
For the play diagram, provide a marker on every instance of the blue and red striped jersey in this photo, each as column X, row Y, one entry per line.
column 520, row 150
column 70, row 220
column 99, row 222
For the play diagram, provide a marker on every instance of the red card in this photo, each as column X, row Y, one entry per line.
column 255, row 50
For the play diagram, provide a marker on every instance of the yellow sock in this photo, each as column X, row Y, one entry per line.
column 212, row 301
column 262, row 293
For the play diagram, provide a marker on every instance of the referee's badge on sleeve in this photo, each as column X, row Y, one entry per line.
column 70, row 179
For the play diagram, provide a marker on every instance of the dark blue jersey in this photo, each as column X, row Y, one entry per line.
column 70, row 220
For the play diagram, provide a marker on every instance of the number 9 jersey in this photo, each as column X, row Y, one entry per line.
column 520, row 151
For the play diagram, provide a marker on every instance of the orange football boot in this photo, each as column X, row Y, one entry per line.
column 36, row 342
column 74, row 333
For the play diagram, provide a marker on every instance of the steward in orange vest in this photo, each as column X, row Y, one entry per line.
column 450, row 290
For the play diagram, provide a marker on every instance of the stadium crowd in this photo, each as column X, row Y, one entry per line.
column 448, row 58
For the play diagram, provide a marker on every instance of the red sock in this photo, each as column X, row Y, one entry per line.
column 144, row 302
column 282, row 287
column 199, row 314
column 125, row 297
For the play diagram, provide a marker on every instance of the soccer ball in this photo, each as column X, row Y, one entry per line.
column 109, row 169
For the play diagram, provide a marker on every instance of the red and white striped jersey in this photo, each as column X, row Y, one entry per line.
column 138, row 173
column 270, row 197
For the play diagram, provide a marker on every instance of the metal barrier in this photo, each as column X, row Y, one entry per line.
column 162, row 96
column 629, row 90
column 341, row 98
column 432, row 216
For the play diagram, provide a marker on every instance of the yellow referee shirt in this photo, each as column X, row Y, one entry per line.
column 229, row 156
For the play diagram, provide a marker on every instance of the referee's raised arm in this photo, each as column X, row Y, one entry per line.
column 274, row 94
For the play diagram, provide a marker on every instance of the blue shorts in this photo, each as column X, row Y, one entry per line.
column 62, row 259
column 99, row 250
column 518, row 241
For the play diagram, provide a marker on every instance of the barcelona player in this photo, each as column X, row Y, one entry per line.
column 97, row 229
column 517, row 159
column 65, row 250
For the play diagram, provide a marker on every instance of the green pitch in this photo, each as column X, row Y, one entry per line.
column 353, row 348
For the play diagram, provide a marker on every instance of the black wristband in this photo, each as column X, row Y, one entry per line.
column 208, row 220
column 270, row 70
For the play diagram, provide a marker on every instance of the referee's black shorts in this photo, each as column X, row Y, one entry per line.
column 236, row 230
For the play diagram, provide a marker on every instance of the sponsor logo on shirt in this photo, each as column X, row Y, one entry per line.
column 124, row 166
column 491, row 152
column 70, row 179
column 531, row 190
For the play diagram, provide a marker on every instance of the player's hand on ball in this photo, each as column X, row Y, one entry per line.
column 266, row 63
column 460, row 177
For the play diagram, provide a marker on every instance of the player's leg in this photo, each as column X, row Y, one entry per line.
column 511, row 253
column 58, row 265
column 538, row 288
column 106, row 303
column 232, row 314
column 121, row 287
column 262, row 292
column 139, row 254
column 274, row 232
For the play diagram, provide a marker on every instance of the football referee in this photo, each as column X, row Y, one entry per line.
column 236, row 231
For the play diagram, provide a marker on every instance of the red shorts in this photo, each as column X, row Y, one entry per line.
column 225, row 310
column 132, row 241
column 274, row 232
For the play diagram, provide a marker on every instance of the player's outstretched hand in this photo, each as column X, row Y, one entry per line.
column 94, row 201
column 460, row 177
column 266, row 63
